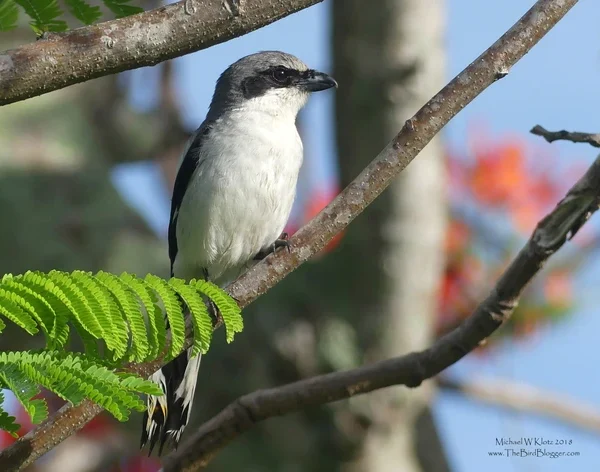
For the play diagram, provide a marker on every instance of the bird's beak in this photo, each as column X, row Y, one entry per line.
column 313, row 81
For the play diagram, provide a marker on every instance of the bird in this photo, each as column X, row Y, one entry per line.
column 232, row 197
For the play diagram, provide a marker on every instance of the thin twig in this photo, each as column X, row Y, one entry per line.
column 527, row 399
column 574, row 137
column 414, row 136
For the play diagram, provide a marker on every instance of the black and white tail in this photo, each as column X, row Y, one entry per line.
column 167, row 416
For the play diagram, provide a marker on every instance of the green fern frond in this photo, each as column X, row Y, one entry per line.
column 78, row 304
column 108, row 311
column 43, row 14
column 83, row 11
column 121, row 8
column 92, row 296
column 28, row 302
column 156, row 322
column 123, row 317
column 229, row 309
column 172, row 308
column 200, row 317
column 11, row 308
column 129, row 309
column 73, row 377
column 47, row 289
column 9, row 14
column 38, row 409
column 135, row 384
column 22, row 387
column 7, row 422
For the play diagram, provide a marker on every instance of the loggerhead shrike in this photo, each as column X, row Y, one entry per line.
column 232, row 198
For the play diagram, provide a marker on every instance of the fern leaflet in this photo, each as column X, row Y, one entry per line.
column 9, row 14
column 121, row 8
column 123, row 317
column 83, row 11
column 200, row 317
column 43, row 15
column 230, row 311
column 7, row 422
column 172, row 308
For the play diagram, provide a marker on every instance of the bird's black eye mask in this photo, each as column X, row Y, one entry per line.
column 273, row 77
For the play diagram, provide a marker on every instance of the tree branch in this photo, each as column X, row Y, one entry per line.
column 492, row 65
column 574, row 137
column 416, row 133
column 412, row 369
column 527, row 399
column 128, row 43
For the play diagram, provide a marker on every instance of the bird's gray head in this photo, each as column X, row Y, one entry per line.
column 270, row 81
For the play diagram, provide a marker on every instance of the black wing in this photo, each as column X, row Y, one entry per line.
column 190, row 162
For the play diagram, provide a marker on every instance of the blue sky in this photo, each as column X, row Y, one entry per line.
column 555, row 85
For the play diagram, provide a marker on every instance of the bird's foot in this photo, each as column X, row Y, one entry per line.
column 189, row 7
column 213, row 311
column 233, row 7
column 282, row 241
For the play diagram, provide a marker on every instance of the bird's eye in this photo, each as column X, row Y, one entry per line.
column 280, row 75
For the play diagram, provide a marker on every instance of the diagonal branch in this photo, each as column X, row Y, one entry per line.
column 574, row 137
column 412, row 369
column 128, row 43
column 493, row 64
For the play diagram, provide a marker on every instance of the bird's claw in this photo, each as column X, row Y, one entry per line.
column 233, row 7
column 188, row 7
column 282, row 241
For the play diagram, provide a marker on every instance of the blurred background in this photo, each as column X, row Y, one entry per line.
column 85, row 183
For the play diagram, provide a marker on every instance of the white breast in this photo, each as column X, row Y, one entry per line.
column 240, row 196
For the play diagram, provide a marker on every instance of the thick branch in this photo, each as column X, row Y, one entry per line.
column 412, row 369
column 128, row 43
column 527, row 399
column 574, row 137
column 417, row 132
